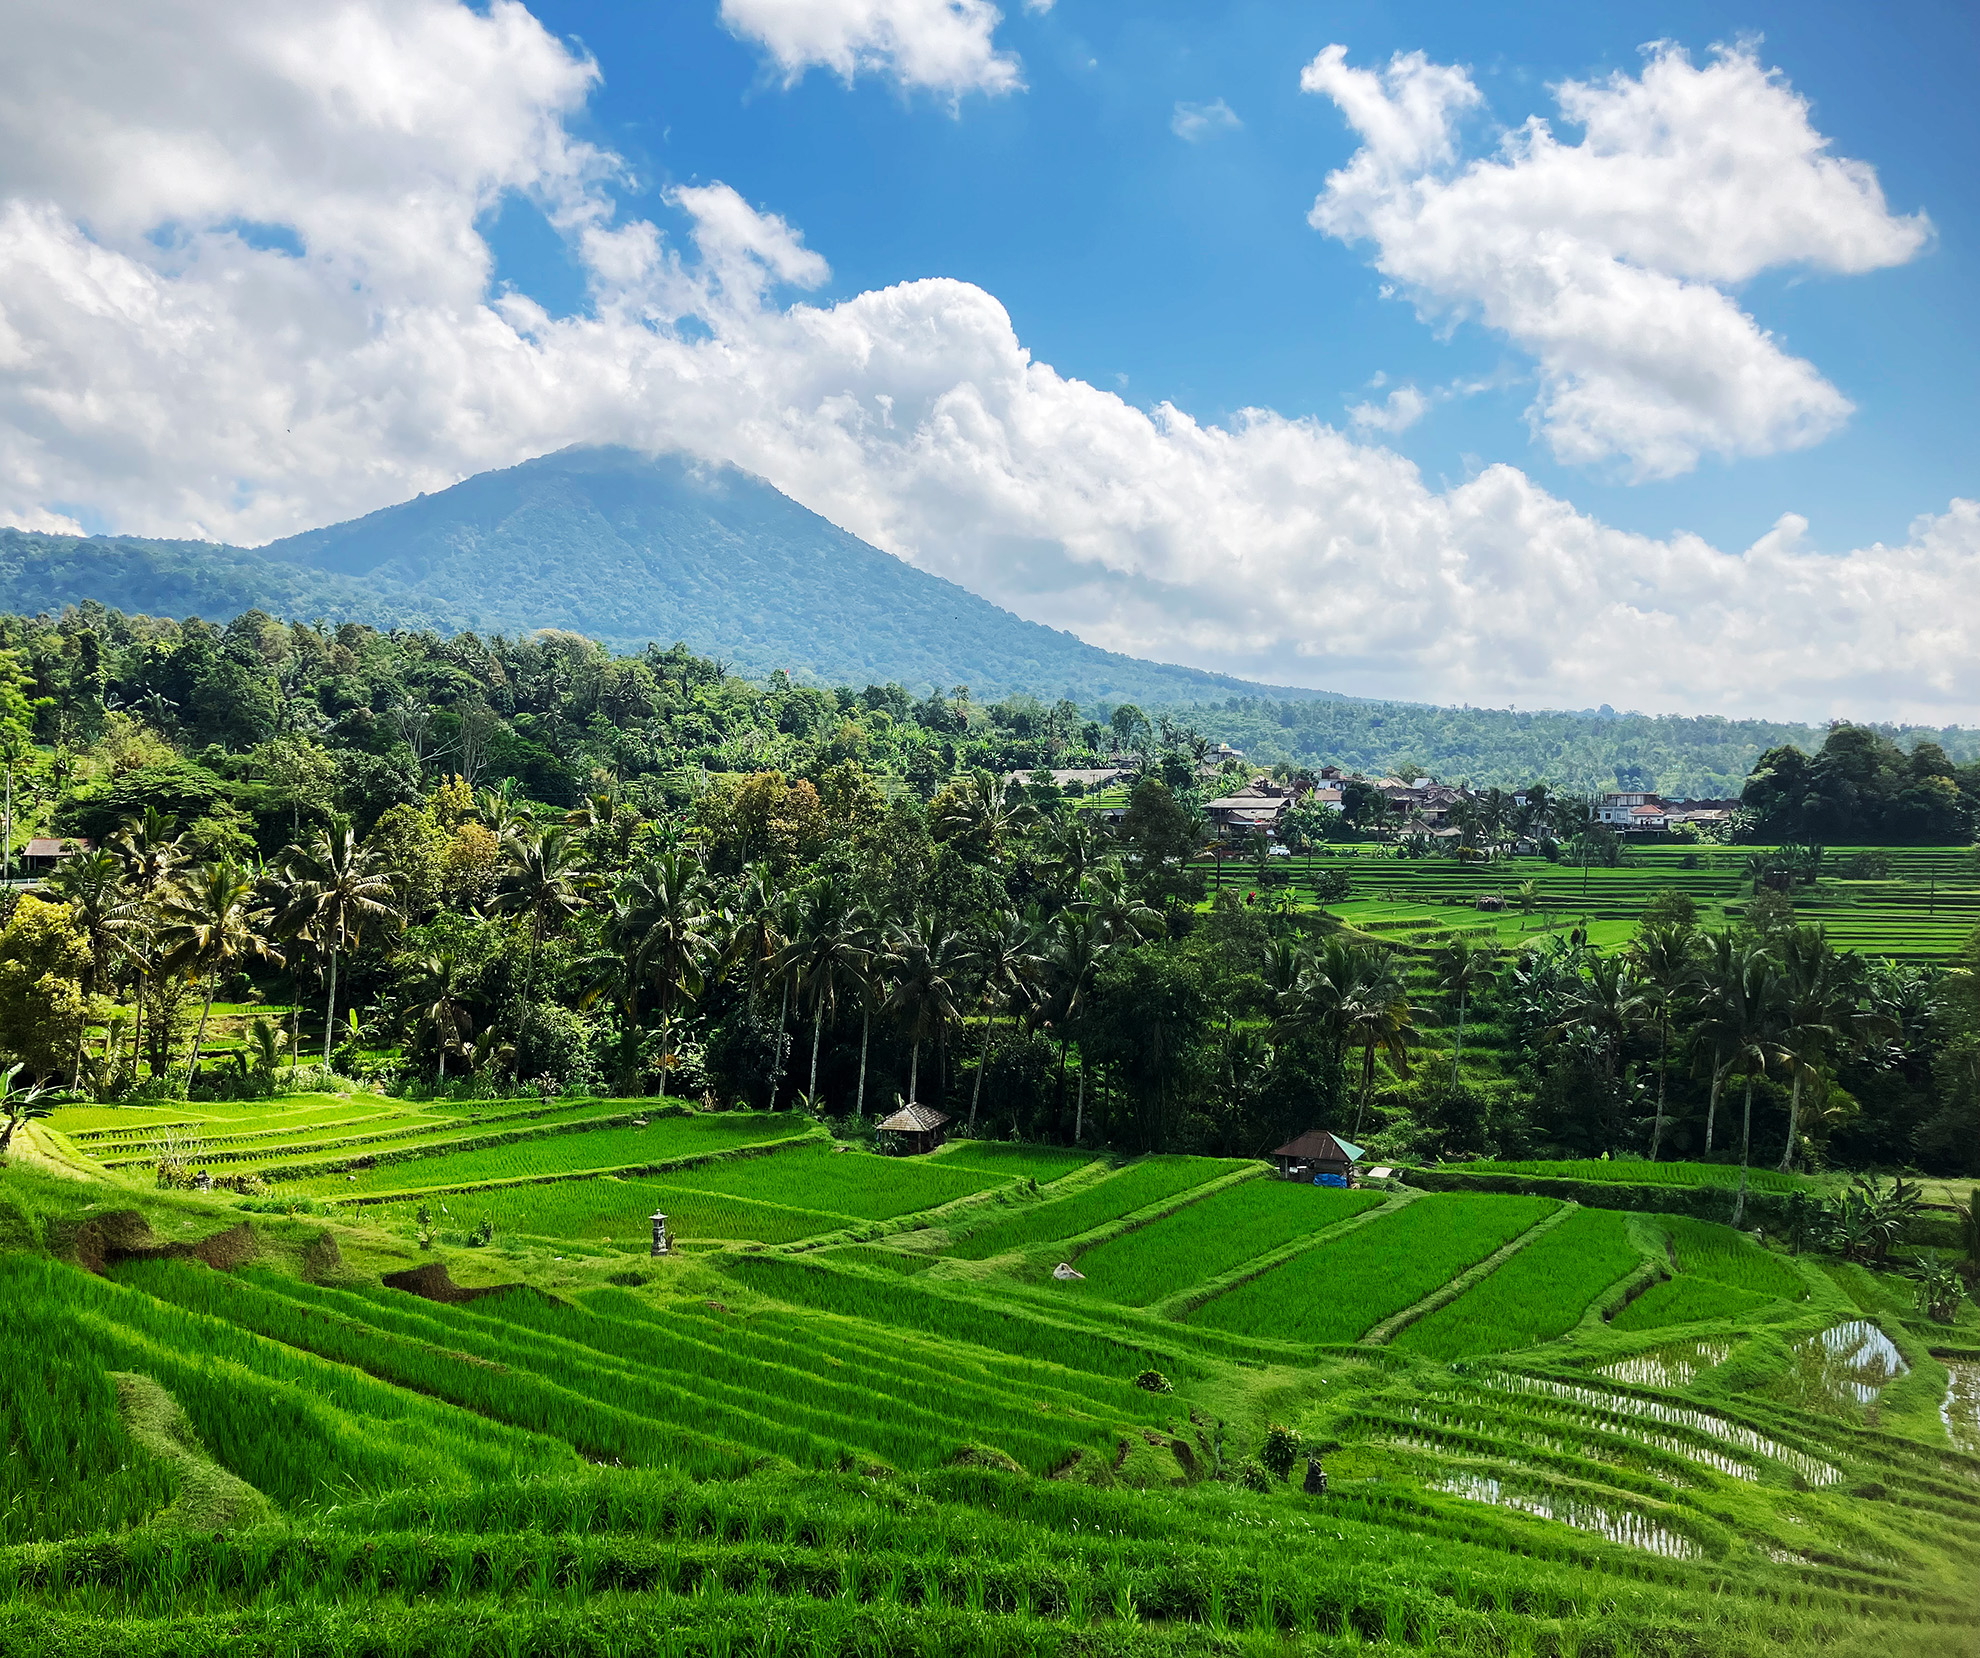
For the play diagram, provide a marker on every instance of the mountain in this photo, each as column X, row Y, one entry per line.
column 626, row 548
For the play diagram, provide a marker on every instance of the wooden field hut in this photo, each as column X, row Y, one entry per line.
column 916, row 1128
column 1317, row 1156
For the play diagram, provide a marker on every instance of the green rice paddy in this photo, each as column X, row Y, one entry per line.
column 917, row 1440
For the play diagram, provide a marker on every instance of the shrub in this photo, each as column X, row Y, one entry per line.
column 1154, row 1381
column 1280, row 1451
column 1252, row 1476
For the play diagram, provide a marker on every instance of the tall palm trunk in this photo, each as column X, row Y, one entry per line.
column 199, row 1036
column 982, row 1065
column 1663, row 1078
column 1457, row 1048
column 330, row 1013
column 1367, row 1083
column 1794, row 1122
column 1712, row 1109
column 817, row 1030
column 1745, row 1144
column 777, row 1065
column 1079, row 1116
column 914, row 1071
column 865, row 1027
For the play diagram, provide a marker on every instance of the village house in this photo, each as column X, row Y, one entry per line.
column 43, row 853
column 1318, row 1156
column 1254, row 809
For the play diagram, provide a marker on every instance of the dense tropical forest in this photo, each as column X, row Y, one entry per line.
column 468, row 867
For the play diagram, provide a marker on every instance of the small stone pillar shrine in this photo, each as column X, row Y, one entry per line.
column 1316, row 1478
column 661, row 1246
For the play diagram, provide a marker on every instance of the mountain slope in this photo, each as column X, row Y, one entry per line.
column 625, row 548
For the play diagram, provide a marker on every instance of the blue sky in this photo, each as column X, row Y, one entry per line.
column 1542, row 355
column 1187, row 271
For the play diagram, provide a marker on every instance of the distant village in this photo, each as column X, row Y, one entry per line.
column 1283, row 807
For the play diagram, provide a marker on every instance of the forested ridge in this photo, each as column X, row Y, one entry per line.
column 513, row 861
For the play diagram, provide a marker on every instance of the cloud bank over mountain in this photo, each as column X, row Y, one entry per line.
column 285, row 313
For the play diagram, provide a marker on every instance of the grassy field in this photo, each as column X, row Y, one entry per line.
column 840, row 1182
column 886, row 1447
column 1720, row 1274
column 1120, row 1193
column 662, row 1140
column 1539, row 1293
column 1012, row 1162
column 1640, row 1172
column 1343, row 1289
column 1208, row 1238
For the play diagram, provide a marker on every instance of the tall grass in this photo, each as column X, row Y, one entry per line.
column 575, row 1152
column 607, row 1209
column 297, row 1428
column 1013, row 1162
column 1538, row 1294
column 1721, row 1274
column 1343, row 1289
column 1211, row 1236
column 854, row 1183
column 954, row 1316
column 1118, row 1194
column 1630, row 1172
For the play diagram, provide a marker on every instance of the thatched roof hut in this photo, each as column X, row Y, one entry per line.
column 918, row 1128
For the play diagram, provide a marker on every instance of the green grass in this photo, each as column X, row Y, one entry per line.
column 1630, row 1171
column 610, row 1210
column 1212, row 1236
column 1720, row 1274
column 1540, row 1293
column 1012, row 1162
column 855, row 1183
column 1341, row 1290
column 663, row 1139
column 1120, row 1193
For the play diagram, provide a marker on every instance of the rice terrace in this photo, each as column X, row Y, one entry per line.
column 851, row 1408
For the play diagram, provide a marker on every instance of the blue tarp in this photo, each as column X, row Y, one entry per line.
column 1329, row 1180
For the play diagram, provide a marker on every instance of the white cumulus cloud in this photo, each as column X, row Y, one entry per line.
column 944, row 46
column 1610, row 259
column 295, row 322
column 1196, row 122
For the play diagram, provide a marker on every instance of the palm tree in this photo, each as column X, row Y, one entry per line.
column 1006, row 959
column 1074, row 943
column 16, row 749
column 337, row 891
column 669, row 908
column 211, row 924
column 92, row 884
column 21, row 1105
column 543, row 883
column 1123, row 917
column 1607, row 1006
column 824, row 957
column 1820, row 1011
column 869, row 939
column 1377, row 1017
column 1668, row 977
column 439, row 985
column 926, row 960
column 1462, row 968
column 1742, row 1024
column 973, row 810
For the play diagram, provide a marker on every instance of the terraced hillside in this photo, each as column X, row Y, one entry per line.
column 854, row 1411
column 1925, row 908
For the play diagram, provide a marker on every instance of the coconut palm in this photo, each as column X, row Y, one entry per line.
column 824, row 958
column 543, row 883
column 1463, row 968
column 440, row 986
column 336, row 892
column 1073, row 944
column 1821, row 993
column 213, row 922
column 1607, row 1006
column 1743, row 1028
column 668, row 913
column 21, row 1105
column 926, row 959
column 1668, row 980
column 1006, row 960
column 1377, row 1017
